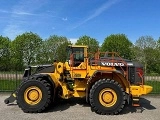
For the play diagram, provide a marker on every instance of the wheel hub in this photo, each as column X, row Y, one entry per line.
column 107, row 97
column 32, row 95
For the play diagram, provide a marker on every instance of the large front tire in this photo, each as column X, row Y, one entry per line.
column 34, row 96
column 107, row 97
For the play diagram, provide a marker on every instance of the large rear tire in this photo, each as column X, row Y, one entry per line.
column 34, row 95
column 107, row 97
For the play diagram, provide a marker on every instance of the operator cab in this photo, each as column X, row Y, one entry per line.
column 76, row 55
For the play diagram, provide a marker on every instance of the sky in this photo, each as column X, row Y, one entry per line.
column 75, row 18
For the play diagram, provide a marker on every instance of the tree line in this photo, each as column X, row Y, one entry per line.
column 30, row 49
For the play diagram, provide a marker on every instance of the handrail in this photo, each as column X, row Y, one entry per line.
column 98, row 58
column 113, row 59
column 142, row 78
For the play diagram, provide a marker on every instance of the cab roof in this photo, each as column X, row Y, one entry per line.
column 84, row 46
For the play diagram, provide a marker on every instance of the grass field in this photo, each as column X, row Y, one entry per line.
column 10, row 85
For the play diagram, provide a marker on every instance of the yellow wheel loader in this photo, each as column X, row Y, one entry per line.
column 106, row 80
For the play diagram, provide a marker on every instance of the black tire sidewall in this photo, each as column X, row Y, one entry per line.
column 22, row 103
column 95, row 97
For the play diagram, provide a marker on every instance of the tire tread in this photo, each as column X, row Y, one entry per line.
column 92, row 92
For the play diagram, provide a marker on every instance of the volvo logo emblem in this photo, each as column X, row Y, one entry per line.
column 112, row 64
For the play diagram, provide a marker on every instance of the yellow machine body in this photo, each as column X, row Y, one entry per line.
column 83, row 73
column 105, row 79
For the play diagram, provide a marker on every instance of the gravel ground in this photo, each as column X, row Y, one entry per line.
column 78, row 110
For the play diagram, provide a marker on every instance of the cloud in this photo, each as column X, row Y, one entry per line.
column 53, row 28
column 20, row 16
column 98, row 11
column 3, row 11
column 17, row 12
column 23, row 13
column 12, row 31
column 64, row 19
column 73, row 40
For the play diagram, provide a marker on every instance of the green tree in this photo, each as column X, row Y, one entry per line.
column 54, row 48
column 4, row 53
column 145, row 51
column 25, row 50
column 118, row 43
column 92, row 43
column 157, row 54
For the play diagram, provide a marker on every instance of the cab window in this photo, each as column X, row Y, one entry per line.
column 78, row 54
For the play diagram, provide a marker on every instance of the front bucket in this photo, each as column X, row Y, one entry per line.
column 10, row 99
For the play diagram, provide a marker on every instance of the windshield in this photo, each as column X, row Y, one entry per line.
column 78, row 54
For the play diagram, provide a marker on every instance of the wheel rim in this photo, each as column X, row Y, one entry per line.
column 33, row 95
column 107, row 97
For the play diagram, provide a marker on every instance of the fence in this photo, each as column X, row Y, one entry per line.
column 10, row 81
column 150, row 78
